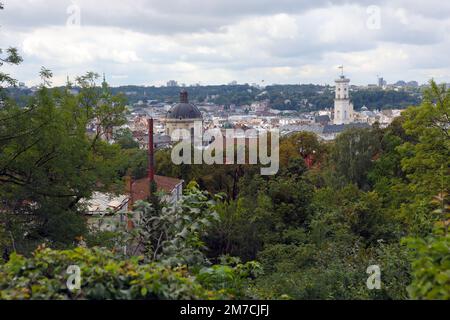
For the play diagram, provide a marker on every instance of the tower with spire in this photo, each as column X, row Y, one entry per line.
column 104, row 86
column 343, row 108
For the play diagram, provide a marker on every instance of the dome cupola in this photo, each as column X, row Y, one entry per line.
column 183, row 109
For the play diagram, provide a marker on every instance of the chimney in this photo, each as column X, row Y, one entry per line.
column 151, row 169
column 183, row 96
column 129, row 186
column 129, row 182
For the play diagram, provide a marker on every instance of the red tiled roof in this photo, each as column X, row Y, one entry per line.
column 166, row 184
column 141, row 187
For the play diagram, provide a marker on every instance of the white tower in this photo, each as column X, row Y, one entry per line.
column 343, row 108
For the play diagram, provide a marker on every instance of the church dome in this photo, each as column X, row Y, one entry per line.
column 184, row 109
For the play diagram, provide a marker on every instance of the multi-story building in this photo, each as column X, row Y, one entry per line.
column 343, row 108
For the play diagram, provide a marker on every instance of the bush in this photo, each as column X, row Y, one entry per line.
column 431, row 267
column 103, row 276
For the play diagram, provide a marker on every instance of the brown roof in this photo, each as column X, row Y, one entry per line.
column 141, row 187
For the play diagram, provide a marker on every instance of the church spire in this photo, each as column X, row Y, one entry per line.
column 104, row 85
column 68, row 83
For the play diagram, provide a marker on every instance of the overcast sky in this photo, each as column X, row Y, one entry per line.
column 149, row 42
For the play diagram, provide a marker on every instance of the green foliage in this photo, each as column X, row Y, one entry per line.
column 124, row 138
column 327, row 257
column 261, row 215
column 213, row 178
column 103, row 276
column 358, row 213
column 173, row 265
column 414, row 165
column 431, row 258
column 430, row 267
column 295, row 147
column 353, row 154
column 12, row 57
column 172, row 235
column 426, row 159
column 231, row 275
column 48, row 162
column 8, row 56
column 334, row 268
column 134, row 163
column 385, row 99
column 301, row 97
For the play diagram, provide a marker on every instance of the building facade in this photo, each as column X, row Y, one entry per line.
column 343, row 108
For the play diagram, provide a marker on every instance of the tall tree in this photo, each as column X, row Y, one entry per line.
column 353, row 154
column 48, row 162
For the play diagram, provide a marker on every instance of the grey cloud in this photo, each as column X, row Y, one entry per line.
column 155, row 16
column 237, row 47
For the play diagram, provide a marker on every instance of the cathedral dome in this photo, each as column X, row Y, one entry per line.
column 184, row 109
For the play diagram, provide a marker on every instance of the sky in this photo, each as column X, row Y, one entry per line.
column 148, row 42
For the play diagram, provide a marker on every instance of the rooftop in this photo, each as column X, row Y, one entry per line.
column 141, row 187
column 336, row 128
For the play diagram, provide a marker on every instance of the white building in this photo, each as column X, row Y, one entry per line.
column 343, row 108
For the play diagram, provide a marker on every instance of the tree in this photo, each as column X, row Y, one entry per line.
column 426, row 159
column 431, row 257
column 353, row 154
column 414, row 163
column 299, row 146
column 8, row 56
column 173, row 234
column 124, row 138
column 48, row 162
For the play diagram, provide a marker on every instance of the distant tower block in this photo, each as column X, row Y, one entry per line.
column 343, row 108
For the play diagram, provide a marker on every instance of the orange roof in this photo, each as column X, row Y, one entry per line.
column 141, row 187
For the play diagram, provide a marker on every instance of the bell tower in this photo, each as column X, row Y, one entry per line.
column 343, row 108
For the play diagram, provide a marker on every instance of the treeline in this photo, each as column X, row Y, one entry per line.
column 282, row 97
column 307, row 97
